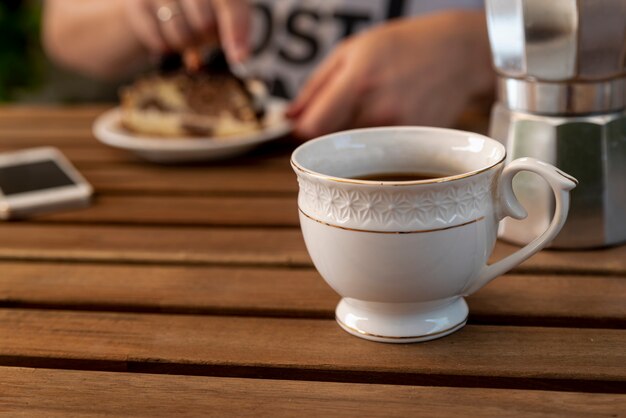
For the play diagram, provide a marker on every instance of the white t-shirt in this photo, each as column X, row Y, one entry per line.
column 291, row 37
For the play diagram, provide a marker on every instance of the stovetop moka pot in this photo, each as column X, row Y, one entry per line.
column 561, row 68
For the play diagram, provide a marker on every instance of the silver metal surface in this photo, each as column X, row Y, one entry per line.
column 571, row 50
column 601, row 38
column 562, row 98
column 558, row 40
column 592, row 149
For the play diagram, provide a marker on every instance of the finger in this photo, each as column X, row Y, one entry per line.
column 146, row 26
column 233, row 23
column 192, row 59
column 314, row 84
column 174, row 27
column 201, row 18
column 332, row 108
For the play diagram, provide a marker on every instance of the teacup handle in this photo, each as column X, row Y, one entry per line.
column 560, row 183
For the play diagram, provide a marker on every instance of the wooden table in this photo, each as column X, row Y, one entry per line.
column 188, row 290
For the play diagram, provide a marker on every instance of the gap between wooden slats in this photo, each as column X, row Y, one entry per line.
column 85, row 393
column 529, row 300
column 589, row 360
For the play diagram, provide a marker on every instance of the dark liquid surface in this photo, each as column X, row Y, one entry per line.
column 400, row 176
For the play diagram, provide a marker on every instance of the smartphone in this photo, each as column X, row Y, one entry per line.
column 39, row 180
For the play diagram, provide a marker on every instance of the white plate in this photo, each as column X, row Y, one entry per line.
column 108, row 129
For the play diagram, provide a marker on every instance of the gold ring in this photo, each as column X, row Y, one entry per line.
column 166, row 12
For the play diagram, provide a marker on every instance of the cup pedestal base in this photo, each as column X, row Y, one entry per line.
column 401, row 322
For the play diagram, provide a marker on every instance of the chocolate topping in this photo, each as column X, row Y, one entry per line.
column 218, row 94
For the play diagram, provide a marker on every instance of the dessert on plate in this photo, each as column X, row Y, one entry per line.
column 212, row 102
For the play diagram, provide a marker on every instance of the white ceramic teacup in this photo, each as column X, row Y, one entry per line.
column 403, row 254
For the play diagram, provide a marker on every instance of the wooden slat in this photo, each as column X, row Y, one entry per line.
column 35, row 113
column 177, row 180
column 549, row 300
column 36, row 392
column 153, row 244
column 168, row 288
column 253, row 178
column 268, row 246
column 35, row 137
column 522, row 300
column 88, row 154
column 517, row 357
column 601, row 261
column 42, row 125
column 185, row 210
column 84, row 156
column 229, row 181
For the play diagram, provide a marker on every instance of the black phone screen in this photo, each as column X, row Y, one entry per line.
column 29, row 177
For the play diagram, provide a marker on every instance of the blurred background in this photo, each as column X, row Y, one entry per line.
column 26, row 75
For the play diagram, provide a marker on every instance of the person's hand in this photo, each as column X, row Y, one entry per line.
column 164, row 26
column 419, row 71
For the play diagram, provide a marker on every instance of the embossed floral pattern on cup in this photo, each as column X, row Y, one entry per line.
column 400, row 207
